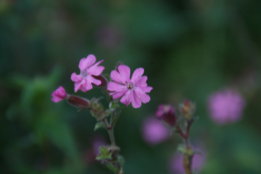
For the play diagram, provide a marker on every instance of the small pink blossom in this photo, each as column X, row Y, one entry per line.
column 59, row 94
column 198, row 161
column 154, row 131
column 129, row 90
column 166, row 113
column 89, row 70
column 226, row 106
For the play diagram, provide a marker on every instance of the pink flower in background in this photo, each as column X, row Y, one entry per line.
column 226, row 106
column 89, row 70
column 154, row 131
column 89, row 156
column 59, row 94
column 198, row 162
column 166, row 113
column 129, row 90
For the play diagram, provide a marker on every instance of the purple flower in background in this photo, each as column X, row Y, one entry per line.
column 132, row 90
column 89, row 70
column 226, row 106
column 166, row 113
column 198, row 161
column 59, row 94
column 154, row 131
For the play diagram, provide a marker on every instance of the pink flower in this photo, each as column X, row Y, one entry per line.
column 59, row 94
column 89, row 70
column 166, row 113
column 129, row 90
column 154, row 131
column 198, row 162
column 226, row 106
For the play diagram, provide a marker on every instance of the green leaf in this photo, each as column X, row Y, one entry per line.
column 112, row 168
column 121, row 160
column 114, row 105
column 104, row 154
column 182, row 149
column 99, row 125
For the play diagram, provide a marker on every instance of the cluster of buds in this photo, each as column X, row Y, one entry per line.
column 167, row 114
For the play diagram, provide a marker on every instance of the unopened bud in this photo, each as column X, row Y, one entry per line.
column 102, row 79
column 78, row 102
column 166, row 113
column 187, row 109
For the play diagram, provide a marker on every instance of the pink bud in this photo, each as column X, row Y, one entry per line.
column 166, row 113
column 187, row 109
column 59, row 94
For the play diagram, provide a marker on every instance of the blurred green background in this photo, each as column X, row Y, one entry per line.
column 188, row 48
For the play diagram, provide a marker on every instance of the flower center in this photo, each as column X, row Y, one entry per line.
column 84, row 73
column 130, row 85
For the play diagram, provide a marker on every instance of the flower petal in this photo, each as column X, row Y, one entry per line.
column 95, row 69
column 143, row 97
column 112, row 86
column 115, row 76
column 91, row 79
column 135, row 101
column 117, row 95
column 87, row 62
column 137, row 74
column 77, row 86
column 124, row 71
column 146, row 89
column 126, row 99
column 75, row 77
column 56, row 99
column 141, row 81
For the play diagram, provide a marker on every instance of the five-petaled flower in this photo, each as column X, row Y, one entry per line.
column 89, row 70
column 129, row 90
column 59, row 94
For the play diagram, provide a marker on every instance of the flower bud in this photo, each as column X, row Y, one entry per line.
column 166, row 113
column 118, row 64
column 102, row 79
column 187, row 109
column 59, row 94
column 78, row 102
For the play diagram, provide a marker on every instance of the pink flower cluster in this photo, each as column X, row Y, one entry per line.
column 129, row 90
column 226, row 106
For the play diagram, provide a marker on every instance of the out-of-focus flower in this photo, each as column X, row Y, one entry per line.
column 166, row 113
column 59, row 94
column 198, row 161
column 129, row 90
column 89, row 70
column 154, row 131
column 91, row 153
column 226, row 106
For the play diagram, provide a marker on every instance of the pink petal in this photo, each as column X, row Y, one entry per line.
column 145, row 98
column 124, row 72
column 141, row 81
column 75, row 77
column 91, row 79
column 112, row 86
column 117, row 95
column 136, row 103
column 87, row 62
column 86, row 85
column 95, row 69
column 56, row 99
column 77, row 86
column 126, row 99
column 146, row 89
column 115, row 76
column 137, row 74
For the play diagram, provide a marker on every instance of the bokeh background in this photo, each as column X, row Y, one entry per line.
column 189, row 49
